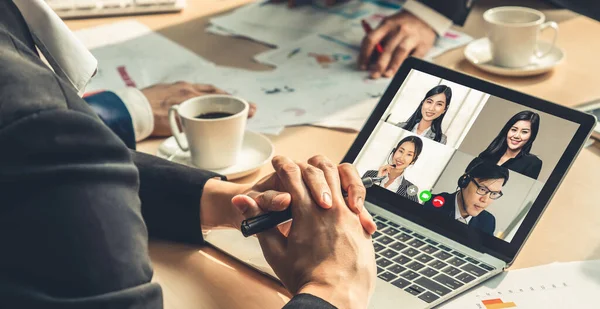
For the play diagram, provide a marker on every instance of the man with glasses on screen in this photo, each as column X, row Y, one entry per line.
column 478, row 188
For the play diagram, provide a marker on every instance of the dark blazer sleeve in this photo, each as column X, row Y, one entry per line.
column 305, row 301
column 486, row 222
column 73, row 198
column 429, row 205
column 455, row 10
column 589, row 8
column 70, row 224
column 458, row 10
column 534, row 167
column 370, row 173
column 170, row 196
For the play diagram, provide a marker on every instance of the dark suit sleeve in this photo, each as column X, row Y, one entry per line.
column 589, row 8
column 71, row 224
column 455, row 10
column 488, row 223
column 370, row 173
column 534, row 169
column 305, row 301
column 170, row 195
column 429, row 205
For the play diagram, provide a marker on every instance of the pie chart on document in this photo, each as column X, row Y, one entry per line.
column 257, row 150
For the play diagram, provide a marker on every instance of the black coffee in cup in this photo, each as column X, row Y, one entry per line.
column 213, row 115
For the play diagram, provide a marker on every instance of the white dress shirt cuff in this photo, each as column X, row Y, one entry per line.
column 140, row 111
column 438, row 22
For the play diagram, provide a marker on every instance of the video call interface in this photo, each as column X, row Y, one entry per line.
column 478, row 159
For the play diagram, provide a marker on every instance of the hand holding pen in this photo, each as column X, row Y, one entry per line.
column 321, row 178
column 397, row 37
column 270, row 220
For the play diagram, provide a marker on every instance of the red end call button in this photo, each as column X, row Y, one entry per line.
column 438, row 201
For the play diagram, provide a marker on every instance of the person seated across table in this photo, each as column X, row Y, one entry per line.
column 402, row 156
column 77, row 206
column 477, row 189
column 414, row 29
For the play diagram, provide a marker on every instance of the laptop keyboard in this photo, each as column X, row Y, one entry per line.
column 421, row 266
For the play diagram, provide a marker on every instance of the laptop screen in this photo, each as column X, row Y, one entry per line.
column 478, row 159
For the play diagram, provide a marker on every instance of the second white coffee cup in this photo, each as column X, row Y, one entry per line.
column 214, row 126
column 513, row 32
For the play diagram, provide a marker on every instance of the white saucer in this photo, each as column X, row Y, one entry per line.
column 257, row 150
column 478, row 53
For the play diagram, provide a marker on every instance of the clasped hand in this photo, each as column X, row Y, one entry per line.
column 326, row 250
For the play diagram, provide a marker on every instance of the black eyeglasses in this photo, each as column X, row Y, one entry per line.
column 482, row 190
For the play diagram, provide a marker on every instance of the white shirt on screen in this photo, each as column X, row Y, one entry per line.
column 457, row 214
column 394, row 185
column 414, row 130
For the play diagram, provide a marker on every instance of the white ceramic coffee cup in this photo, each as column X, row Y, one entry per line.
column 213, row 143
column 513, row 32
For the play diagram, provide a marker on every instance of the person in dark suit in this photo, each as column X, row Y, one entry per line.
column 427, row 119
column 77, row 206
column 478, row 188
column 402, row 156
column 413, row 30
column 511, row 148
column 131, row 113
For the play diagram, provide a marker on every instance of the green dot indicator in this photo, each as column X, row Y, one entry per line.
column 425, row 196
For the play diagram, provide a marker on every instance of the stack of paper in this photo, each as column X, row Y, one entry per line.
column 318, row 46
column 315, row 81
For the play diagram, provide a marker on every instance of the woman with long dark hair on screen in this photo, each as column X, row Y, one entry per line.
column 511, row 148
column 402, row 156
column 427, row 119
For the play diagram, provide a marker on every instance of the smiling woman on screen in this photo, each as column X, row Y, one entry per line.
column 426, row 121
column 511, row 148
column 402, row 156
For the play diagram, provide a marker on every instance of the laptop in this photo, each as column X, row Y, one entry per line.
column 464, row 170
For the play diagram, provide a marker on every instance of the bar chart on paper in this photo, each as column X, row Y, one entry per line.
column 542, row 296
column 497, row 303
column 559, row 285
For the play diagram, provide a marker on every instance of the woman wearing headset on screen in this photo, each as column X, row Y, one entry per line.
column 402, row 156
column 426, row 121
column 511, row 148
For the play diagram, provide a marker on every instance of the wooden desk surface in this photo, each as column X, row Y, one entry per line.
column 202, row 277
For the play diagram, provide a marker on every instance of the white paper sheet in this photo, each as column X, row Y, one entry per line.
column 276, row 24
column 129, row 53
column 286, row 97
column 558, row 285
column 314, row 40
column 318, row 84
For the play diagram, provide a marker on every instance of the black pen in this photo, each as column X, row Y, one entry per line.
column 270, row 220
